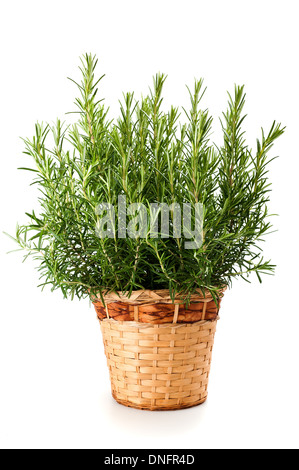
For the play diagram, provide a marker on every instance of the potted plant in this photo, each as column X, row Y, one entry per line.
column 152, row 221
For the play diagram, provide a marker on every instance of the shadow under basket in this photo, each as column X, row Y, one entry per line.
column 156, row 365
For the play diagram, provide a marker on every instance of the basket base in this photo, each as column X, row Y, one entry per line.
column 157, row 408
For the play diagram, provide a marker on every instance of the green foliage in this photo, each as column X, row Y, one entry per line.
column 149, row 157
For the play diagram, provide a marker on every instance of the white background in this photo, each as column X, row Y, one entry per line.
column 54, row 390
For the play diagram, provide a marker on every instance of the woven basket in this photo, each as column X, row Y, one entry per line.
column 158, row 360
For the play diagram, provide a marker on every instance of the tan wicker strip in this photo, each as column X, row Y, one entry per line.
column 176, row 313
column 136, row 313
column 158, row 367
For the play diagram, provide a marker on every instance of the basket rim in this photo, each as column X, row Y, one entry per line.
column 148, row 296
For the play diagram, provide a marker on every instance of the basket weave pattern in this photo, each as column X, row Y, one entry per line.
column 157, row 307
column 161, row 366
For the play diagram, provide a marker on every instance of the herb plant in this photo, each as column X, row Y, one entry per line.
column 149, row 157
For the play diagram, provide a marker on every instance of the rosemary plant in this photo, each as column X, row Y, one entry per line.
column 149, row 157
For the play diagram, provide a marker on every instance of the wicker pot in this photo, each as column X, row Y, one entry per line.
column 158, row 352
